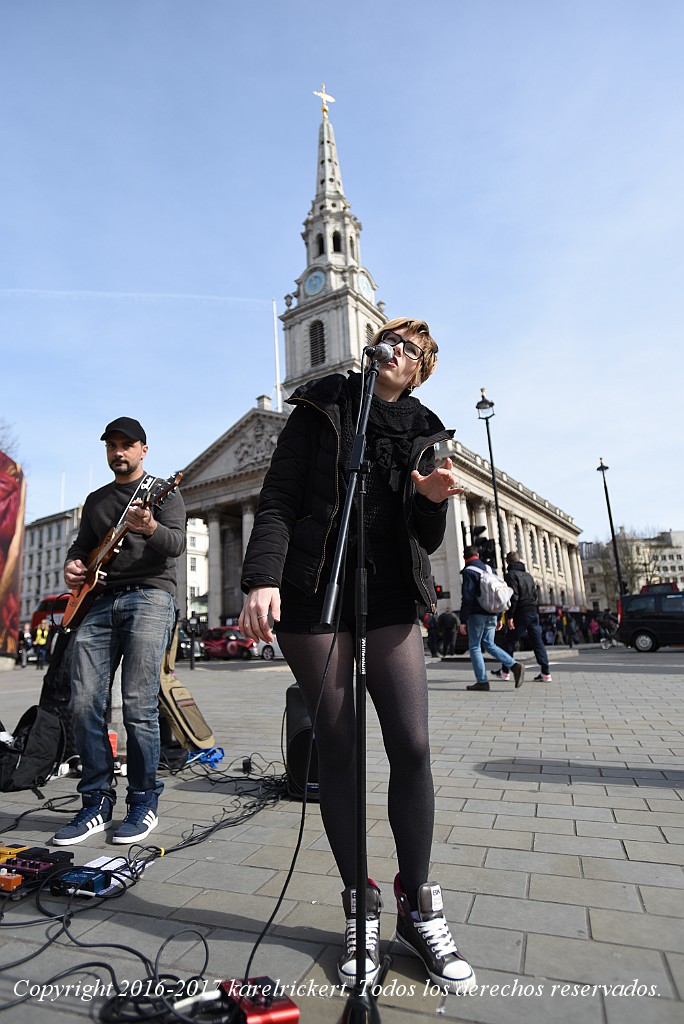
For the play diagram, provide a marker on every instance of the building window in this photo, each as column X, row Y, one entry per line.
column 518, row 541
column 558, row 558
column 193, row 592
column 317, row 343
column 533, row 549
column 320, row 245
column 337, row 241
column 193, row 564
column 59, row 531
column 351, row 247
column 592, row 588
column 547, row 560
column 369, row 333
column 192, row 542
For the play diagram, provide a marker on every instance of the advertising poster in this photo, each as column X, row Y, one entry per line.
column 12, row 501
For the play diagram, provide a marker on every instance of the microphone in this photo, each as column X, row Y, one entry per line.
column 381, row 353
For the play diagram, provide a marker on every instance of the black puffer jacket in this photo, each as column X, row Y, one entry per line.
column 525, row 593
column 303, row 494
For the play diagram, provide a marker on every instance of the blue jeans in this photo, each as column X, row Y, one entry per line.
column 134, row 628
column 481, row 630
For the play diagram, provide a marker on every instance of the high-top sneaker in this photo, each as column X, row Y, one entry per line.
column 346, row 965
column 427, row 935
column 95, row 816
column 140, row 819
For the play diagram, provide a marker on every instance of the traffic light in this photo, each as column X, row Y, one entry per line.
column 488, row 551
column 486, row 547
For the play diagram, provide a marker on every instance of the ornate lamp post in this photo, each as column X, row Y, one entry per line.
column 485, row 411
column 602, row 468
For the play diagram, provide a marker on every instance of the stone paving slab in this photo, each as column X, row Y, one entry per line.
column 559, row 838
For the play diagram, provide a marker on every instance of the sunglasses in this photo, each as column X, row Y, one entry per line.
column 411, row 351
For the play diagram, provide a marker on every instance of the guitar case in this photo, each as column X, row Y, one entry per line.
column 180, row 719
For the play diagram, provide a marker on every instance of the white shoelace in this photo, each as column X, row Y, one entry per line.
column 372, row 930
column 437, row 935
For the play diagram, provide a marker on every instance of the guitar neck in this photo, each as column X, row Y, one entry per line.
column 108, row 545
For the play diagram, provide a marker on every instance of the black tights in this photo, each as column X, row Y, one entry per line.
column 397, row 685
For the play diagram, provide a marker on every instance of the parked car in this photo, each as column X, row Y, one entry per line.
column 227, row 642
column 649, row 621
column 268, row 651
column 183, row 650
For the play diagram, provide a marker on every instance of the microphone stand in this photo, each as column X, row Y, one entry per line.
column 361, row 1006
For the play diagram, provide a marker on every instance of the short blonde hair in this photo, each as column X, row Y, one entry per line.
column 419, row 330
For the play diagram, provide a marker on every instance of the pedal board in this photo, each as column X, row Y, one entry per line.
column 23, row 869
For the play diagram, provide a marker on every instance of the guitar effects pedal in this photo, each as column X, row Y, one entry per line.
column 257, row 1001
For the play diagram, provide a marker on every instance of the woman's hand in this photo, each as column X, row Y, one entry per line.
column 258, row 604
column 439, row 485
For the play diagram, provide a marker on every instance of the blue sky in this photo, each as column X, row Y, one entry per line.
column 517, row 166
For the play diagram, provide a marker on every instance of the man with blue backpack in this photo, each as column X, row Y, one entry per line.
column 484, row 598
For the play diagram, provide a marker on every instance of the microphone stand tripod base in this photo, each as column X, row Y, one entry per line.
column 361, row 1008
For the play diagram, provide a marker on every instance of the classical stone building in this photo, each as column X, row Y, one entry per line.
column 330, row 316
column 643, row 561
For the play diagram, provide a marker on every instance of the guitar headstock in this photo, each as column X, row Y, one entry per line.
column 162, row 490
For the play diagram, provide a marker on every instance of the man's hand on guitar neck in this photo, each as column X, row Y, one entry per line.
column 74, row 573
column 140, row 520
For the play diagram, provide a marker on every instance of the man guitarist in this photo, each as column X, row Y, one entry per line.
column 131, row 621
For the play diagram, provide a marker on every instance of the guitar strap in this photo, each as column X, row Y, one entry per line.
column 144, row 487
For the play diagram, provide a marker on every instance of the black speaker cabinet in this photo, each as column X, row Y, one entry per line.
column 298, row 737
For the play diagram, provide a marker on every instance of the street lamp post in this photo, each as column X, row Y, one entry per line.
column 485, row 411
column 602, row 468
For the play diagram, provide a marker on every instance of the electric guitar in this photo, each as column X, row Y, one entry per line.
column 83, row 596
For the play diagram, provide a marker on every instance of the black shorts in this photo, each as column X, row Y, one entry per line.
column 387, row 606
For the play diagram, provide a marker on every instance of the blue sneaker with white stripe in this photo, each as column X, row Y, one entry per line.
column 95, row 816
column 140, row 819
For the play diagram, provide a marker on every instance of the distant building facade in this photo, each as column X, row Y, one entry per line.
column 643, row 560
column 46, row 542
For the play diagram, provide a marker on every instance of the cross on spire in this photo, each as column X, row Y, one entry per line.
column 326, row 98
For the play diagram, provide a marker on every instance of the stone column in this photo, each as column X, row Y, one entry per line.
column 215, row 567
column 547, row 567
column 577, row 578
column 569, row 583
column 557, row 583
column 453, row 548
column 527, row 553
column 248, row 509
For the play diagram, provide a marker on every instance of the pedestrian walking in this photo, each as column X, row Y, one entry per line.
column 523, row 617
column 480, row 625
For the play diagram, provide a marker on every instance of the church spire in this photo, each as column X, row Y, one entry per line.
column 331, row 313
column 328, row 175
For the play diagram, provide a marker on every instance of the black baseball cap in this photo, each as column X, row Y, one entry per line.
column 127, row 426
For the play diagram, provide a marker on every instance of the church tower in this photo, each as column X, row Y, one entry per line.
column 331, row 313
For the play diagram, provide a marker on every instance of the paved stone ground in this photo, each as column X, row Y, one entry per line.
column 559, row 846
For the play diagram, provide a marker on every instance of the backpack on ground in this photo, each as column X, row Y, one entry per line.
column 38, row 747
column 495, row 595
